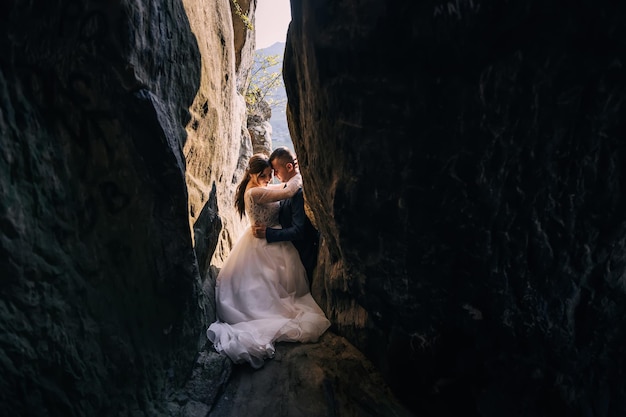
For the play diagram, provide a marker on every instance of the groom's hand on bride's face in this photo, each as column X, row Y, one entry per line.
column 258, row 231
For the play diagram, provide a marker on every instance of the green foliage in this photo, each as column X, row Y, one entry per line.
column 246, row 21
column 265, row 80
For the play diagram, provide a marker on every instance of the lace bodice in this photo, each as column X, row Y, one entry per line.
column 265, row 214
column 262, row 203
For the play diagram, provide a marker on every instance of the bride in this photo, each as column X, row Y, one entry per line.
column 262, row 293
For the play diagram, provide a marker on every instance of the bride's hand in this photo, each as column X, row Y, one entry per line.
column 294, row 184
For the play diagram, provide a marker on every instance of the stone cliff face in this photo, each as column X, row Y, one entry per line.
column 470, row 201
column 218, row 142
column 465, row 164
column 119, row 121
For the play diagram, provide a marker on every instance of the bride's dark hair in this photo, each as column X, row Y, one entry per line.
column 257, row 163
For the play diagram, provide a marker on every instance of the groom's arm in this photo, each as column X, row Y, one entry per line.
column 298, row 221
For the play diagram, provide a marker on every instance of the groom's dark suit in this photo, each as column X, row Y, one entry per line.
column 297, row 228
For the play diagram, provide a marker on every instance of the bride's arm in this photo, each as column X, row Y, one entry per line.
column 268, row 194
column 295, row 181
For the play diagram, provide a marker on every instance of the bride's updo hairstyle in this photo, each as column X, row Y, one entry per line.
column 257, row 164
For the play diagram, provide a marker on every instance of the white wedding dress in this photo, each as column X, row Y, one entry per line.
column 262, row 295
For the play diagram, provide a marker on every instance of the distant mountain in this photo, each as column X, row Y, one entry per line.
column 280, row 131
column 276, row 49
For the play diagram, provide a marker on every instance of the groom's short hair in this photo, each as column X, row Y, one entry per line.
column 283, row 154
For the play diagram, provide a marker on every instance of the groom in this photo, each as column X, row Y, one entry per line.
column 296, row 226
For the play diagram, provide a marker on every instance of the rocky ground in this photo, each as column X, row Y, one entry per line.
column 329, row 378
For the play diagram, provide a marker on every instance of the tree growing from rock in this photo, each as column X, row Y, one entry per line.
column 265, row 81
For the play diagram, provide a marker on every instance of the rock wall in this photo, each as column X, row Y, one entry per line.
column 117, row 121
column 218, row 143
column 465, row 164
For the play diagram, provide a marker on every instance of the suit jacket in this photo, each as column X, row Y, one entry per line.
column 297, row 228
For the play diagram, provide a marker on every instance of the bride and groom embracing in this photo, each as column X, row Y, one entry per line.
column 262, row 291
